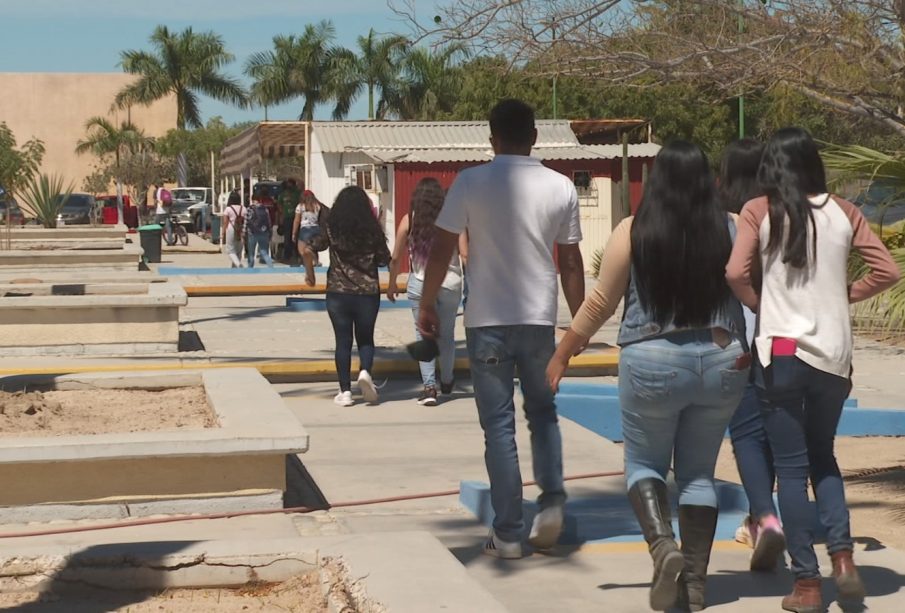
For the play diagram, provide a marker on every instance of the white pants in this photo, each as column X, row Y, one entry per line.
column 234, row 247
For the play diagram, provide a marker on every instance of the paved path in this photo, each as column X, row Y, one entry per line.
column 399, row 448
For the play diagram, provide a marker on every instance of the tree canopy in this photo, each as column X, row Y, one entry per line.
column 844, row 54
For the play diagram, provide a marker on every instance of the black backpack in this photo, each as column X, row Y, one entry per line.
column 259, row 220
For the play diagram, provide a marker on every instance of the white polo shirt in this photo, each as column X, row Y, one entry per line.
column 515, row 209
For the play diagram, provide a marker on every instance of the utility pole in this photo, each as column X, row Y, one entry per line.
column 552, row 46
column 741, row 96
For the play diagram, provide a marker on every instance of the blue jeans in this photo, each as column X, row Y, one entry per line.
column 262, row 242
column 801, row 407
column 447, row 307
column 352, row 315
column 495, row 352
column 752, row 454
column 167, row 228
column 678, row 394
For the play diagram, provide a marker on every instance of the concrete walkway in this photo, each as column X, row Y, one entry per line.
column 400, row 449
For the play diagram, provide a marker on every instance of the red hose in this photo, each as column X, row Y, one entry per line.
column 338, row 505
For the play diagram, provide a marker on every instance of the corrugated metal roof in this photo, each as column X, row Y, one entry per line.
column 576, row 152
column 428, row 156
column 339, row 136
column 609, row 152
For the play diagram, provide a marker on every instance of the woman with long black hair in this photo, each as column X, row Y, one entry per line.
column 761, row 529
column 683, row 364
column 357, row 248
column 414, row 238
column 796, row 240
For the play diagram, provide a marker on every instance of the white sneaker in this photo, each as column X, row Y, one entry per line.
column 501, row 549
column 344, row 399
column 367, row 387
column 546, row 528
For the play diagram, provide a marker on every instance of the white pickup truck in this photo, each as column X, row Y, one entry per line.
column 192, row 205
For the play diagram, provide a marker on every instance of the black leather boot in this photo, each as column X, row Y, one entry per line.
column 651, row 505
column 697, row 526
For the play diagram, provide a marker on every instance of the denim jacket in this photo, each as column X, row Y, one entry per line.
column 638, row 325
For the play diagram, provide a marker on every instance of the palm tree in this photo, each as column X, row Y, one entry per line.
column 853, row 163
column 304, row 66
column 376, row 67
column 183, row 65
column 103, row 139
column 428, row 86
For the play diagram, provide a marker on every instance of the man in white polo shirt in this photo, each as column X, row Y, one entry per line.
column 515, row 210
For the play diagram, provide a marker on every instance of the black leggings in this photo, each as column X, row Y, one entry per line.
column 352, row 314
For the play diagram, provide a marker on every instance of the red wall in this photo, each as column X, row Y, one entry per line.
column 407, row 176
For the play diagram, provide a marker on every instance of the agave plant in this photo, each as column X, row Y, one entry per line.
column 45, row 195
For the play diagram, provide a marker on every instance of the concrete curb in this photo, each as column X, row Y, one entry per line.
column 276, row 289
column 596, row 364
column 403, row 572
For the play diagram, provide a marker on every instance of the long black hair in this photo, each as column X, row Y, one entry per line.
column 351, row 224
column 790, row 171
column 738, row 174
column 680, row 240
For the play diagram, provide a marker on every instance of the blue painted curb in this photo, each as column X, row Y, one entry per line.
column 596, row 407
column 605, row 390
column 609, row 518
column 304, row 304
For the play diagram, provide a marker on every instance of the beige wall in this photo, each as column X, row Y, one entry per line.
column 55, row 106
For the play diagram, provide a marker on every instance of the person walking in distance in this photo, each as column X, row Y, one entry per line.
column 357, row 248
column 761, row 529
column 305, row 229
column 413, row 241
column 515, row 210
column 288, row 200
column 233, row 229
column 796, row 240
column 683, row 362
column 258, row 229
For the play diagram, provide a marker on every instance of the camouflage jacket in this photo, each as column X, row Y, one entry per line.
column 354, row 271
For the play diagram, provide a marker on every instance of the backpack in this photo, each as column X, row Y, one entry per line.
column 258, row 220
column 166, row 198
column 238, row 224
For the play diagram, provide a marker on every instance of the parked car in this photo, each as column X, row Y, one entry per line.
column 190, row 203
column 882, row 202
column 79, row 209
column 10, row 212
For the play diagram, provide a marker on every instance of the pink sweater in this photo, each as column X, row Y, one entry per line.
column 809, row 305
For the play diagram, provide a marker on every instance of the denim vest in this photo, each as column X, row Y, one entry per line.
column 638, row 325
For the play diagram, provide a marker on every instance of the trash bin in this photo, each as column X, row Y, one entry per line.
column 215, row 229
column 151, row 239
column 130, row 216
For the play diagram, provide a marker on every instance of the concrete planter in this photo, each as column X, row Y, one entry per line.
column 125, row 258
column 89, row 318
column 240, row 465
column 72, row 238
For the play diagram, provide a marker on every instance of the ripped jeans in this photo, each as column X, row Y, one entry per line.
column 494, row 353
column 678, row 394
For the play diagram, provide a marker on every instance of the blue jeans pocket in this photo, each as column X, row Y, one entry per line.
column 489, row 347
column 733, row 381
column 650, row 384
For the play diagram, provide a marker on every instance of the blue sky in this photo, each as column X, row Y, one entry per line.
column 87, row 35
